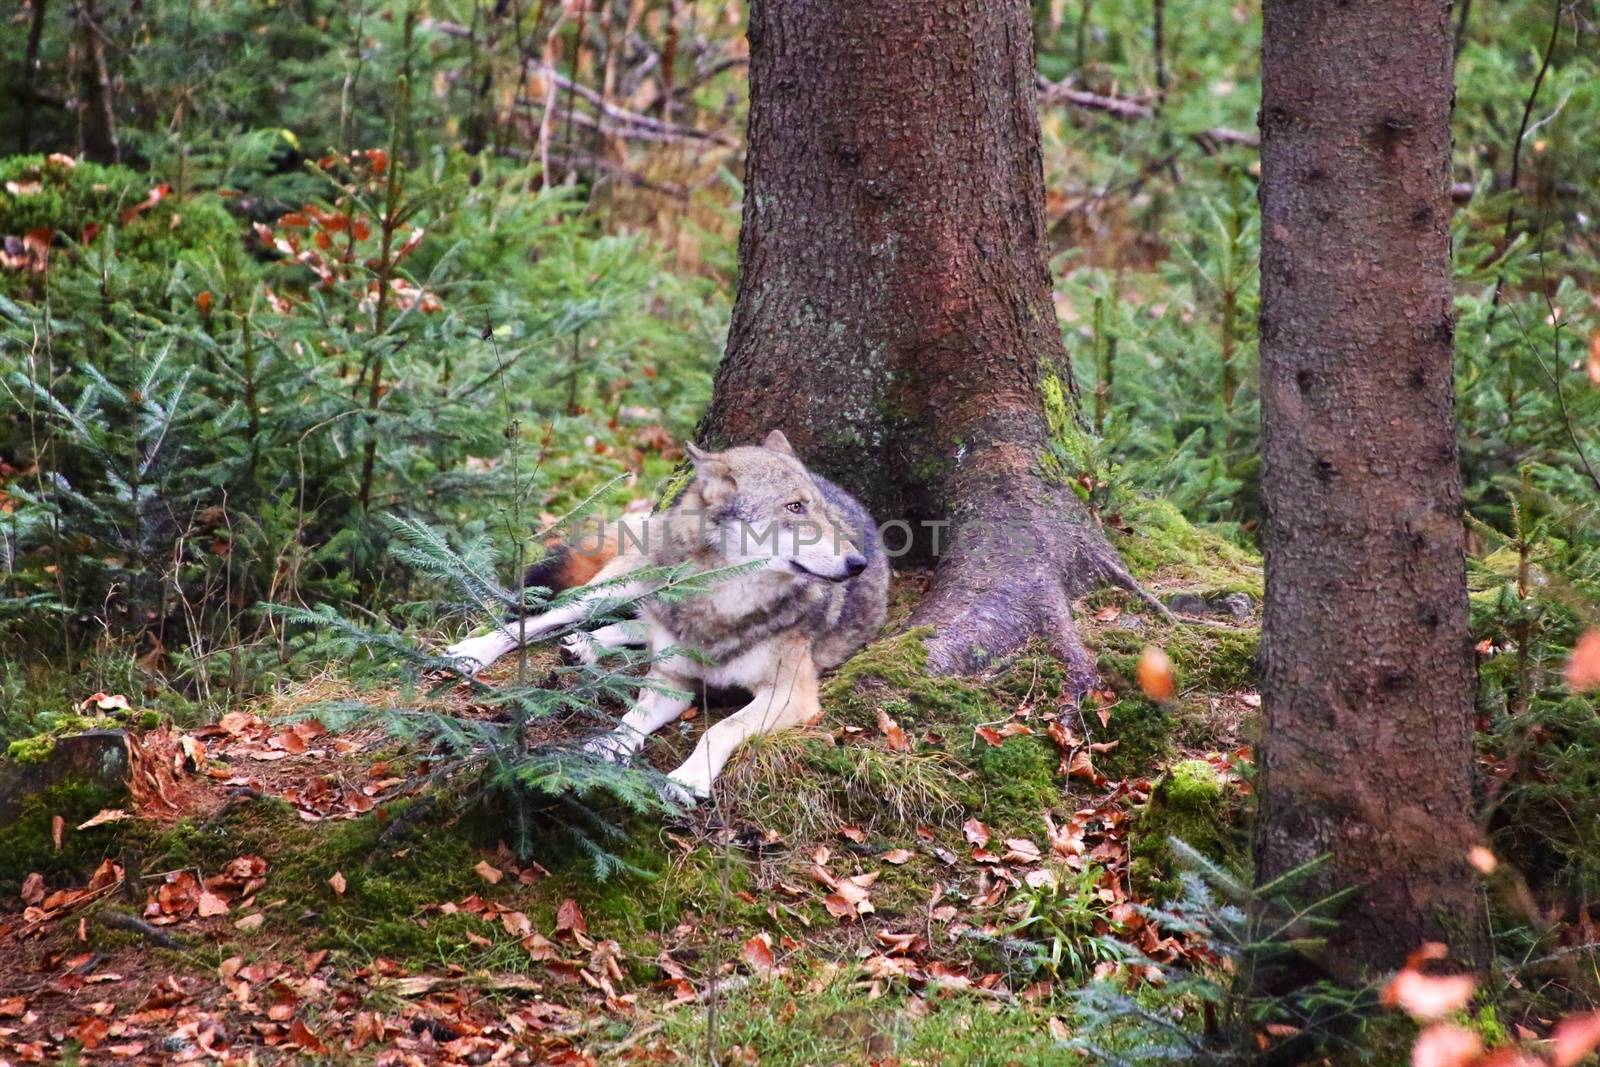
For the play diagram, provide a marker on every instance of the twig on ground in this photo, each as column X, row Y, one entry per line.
column 715, row 988
column 116, row 920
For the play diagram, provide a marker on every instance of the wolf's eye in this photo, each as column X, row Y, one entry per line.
column 795, row 507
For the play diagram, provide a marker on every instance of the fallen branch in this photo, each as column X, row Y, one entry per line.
column 1121, row 107
column 669, row 130
column 658, row 132
column 116, row 920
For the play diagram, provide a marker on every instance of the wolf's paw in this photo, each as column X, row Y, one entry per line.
column 578, row 649
column 684, row 793
column 473, row 654
column 609, row 747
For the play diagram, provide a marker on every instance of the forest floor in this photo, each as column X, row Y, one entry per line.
column 916, row 880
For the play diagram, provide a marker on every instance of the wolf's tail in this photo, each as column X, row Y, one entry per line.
column 570, row 565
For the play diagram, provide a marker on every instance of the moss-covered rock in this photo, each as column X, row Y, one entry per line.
column 35, row 749
column 1191, row 803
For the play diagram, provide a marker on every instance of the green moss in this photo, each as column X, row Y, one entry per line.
column 1212, row 659
column 1215, row 659
column 34, row 749
column 393, row 885
column 1012, row 784
column 1189, row 802
column 1017, row 781
column 1208, row 661
column 1143, row 731
column 27, row 845
column 894, row 672
column 390, row 885
column 1165, row 547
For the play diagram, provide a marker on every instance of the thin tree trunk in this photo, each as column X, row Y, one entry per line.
column 27, row 84
column 1367, row 688
column 99, row 123
column 894, row 315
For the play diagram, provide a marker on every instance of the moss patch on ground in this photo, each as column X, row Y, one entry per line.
column 28, row 844
column 1164, row 549
column 1010, row 784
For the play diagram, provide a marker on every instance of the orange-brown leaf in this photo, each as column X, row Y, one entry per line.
column 757, row 952
column 1428, row 997
column 1583, row 670
column 1445, row 1045
column 1574, row 1038
column 1155, row 674
column 569, row 917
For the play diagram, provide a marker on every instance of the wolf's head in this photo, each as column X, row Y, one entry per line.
column 761, row 504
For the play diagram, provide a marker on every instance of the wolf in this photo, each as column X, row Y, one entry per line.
column 810, row 587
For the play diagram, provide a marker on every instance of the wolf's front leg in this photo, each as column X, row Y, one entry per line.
column 654, row 709
column 586, row 646
column 792, row 702
column 476, row 653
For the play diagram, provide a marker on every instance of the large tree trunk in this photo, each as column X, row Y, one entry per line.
column 894, row 314
column 1367, row 690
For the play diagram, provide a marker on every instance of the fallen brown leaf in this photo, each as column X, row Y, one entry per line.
column 757, row 953
column 1426, row 996
column 1445, row 1045
column 211, row 904
column 570, row 918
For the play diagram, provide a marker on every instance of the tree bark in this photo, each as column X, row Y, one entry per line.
column 98, row 124
column 895, row 316
column 1367, row 688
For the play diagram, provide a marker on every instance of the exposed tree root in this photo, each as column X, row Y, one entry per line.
column 1021, row 550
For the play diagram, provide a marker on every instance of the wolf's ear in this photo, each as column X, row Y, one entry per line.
column 712, row 470
column 778, row 443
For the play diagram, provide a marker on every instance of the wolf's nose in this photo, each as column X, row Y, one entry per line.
column 854, row 564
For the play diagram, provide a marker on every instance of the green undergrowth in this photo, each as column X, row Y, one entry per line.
column 40, row 700
column 838, row 1016
column 804, row 785
column 400, row 863
column 1012, row 783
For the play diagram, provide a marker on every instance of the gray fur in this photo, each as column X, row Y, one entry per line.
column 839, row 616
